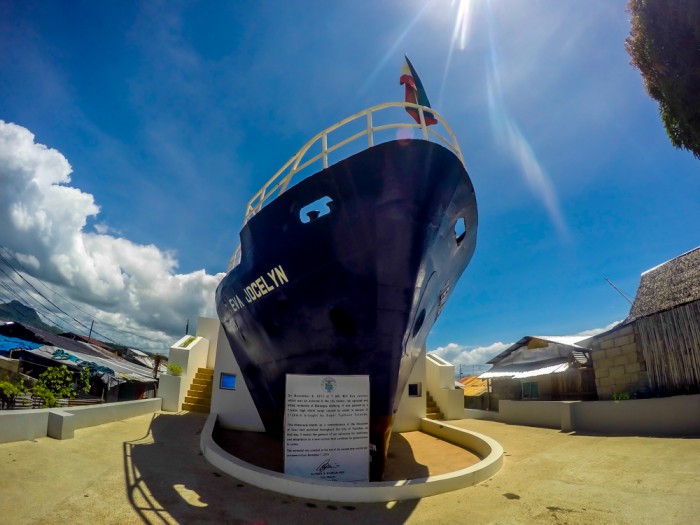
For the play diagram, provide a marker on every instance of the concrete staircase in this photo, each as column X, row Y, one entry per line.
column 198, row 398
column 432, row 410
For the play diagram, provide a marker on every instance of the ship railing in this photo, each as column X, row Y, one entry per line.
column 279, row 182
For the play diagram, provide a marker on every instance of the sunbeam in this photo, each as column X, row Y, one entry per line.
column 461, row 30
column 460, row 35
column 507, row 131
column 390, row 54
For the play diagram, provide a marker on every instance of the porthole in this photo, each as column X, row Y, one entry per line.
column 460, row 229
column 419, row 322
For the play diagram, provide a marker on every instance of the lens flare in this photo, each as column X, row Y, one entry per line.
column 461, row 30
column 507, row 132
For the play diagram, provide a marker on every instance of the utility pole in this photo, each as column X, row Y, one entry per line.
column 91, row 324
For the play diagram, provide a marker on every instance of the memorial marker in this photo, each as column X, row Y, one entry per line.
column 327, row 427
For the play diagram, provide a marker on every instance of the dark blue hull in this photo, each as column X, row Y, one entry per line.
column 357, row 290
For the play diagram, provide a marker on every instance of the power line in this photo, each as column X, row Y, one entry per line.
column 38, row 307
column 618, row 290
column 40, row 294
column 91, row 316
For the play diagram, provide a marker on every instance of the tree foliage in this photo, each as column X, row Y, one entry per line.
column 59, row 383
column 8, row 391
column 664, row 44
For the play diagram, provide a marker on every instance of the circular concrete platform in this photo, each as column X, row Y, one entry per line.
column 483, row 446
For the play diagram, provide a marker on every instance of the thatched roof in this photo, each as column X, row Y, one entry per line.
column 668, row 285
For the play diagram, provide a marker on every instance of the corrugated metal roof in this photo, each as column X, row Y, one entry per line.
column 554, row 369
column 570, row 340
column 524, row 370
column 121, row 369
column 535, row 343
column 473, row 386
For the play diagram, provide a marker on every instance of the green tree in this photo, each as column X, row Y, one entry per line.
column 55, row 383
column 664, row 44
column 8, row 391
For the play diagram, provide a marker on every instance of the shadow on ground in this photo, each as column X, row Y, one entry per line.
column 168, row 480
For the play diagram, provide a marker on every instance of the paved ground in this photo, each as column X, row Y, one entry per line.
column 148, row 470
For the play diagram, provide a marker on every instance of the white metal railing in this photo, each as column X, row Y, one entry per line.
column 279, row 182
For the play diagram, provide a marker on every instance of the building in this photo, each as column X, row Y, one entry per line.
column 112, row 378
column 545, row 368
column 656, row 350
column 476, row 392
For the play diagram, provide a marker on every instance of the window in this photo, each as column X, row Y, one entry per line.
column 227, row 381
column 414, row 390
column 531, row 391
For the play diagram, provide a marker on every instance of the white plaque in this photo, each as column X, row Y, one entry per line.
column 326, row 431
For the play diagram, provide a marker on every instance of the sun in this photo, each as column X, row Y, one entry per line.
column 460, row 33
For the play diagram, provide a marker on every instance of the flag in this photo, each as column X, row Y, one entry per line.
column 415, row 93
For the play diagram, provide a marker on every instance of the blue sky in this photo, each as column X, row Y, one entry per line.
column 172, row 114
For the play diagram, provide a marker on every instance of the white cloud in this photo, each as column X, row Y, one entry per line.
column 133, row 286
column 596, row 331
column 470, row 355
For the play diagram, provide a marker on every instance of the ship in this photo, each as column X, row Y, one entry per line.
column 345, row 271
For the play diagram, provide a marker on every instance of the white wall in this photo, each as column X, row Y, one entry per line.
column 209, row 329
column 412, row 409
column 172, row 389
column 530, row 413
column 18, row 425
column 668, row 416
column 191, row 358
column 440, row 375
column 235, row 408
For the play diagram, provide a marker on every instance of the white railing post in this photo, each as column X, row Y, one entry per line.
column 422, row 123
column 370, row 129
column 324, row 149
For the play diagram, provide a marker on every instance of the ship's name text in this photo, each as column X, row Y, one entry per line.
column 259, row 287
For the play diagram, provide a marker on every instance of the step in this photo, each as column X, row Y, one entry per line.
column 203, row 382
column 195, row 408
column 199, row 395
column 437, row 415
column 431, row 404
column 205, row 372
column 194, row 400
column 201, row 388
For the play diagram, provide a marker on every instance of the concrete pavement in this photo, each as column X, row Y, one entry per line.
column 148, row 469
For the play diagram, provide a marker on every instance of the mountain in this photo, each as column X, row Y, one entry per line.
column 16, row 311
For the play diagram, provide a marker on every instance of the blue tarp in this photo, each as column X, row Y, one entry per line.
column 7, row 343
column 94, row 368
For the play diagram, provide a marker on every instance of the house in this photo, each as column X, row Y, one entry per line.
column 545, row 368
column 112, row 378
column 475, row 392
column 656, row 350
